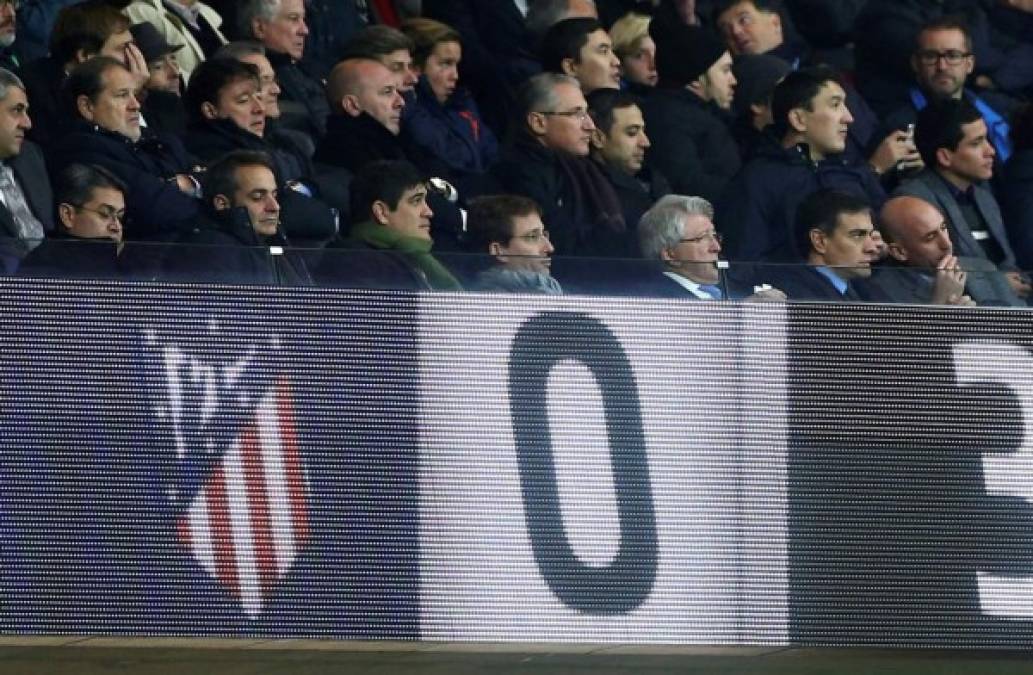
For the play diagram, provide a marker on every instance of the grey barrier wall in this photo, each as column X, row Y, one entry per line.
column 376, row 465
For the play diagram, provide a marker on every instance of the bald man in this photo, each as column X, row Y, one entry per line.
column 366, row 111
column 922, row 267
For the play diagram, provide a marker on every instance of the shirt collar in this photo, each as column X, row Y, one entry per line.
column 689, row 285
column 834, row 279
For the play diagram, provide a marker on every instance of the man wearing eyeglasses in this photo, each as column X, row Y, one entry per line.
column 548, row 162
column 91, row 208
column 942, row 63
column 509, row 228
column 678, row 234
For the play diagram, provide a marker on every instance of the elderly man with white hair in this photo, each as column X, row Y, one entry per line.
column 678, row 234
column 279, row 25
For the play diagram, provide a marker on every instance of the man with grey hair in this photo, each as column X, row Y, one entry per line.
column 26, row 198
column 678, row 233
column 279, row 25
column 548, row 162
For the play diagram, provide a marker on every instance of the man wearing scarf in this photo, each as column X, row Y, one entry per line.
column 389, row 245
column 548, row 161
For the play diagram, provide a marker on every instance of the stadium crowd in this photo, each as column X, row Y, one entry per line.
column 858, row 150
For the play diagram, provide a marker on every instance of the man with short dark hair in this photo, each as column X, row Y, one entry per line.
column 388, row 45
column 389, row 245
column 279, row 25
column 942, row 63
column 688, row 114
column 81, row 32
column 620, row 145
column 238, row 237
column 811, row 119
column 509, row 228
column 582, row 49
column 835, row 230
column 26, row 201
column 87, row 242
column 156, row 169
column 952, row 136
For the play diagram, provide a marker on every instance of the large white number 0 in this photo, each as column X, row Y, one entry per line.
column 1008, row 474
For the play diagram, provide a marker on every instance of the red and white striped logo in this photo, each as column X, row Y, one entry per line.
column 249, row 520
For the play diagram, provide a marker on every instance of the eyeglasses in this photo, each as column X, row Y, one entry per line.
column 107, row 214
column 580, row 115
column 533, row 237
column 706, row 236
column 953, row 57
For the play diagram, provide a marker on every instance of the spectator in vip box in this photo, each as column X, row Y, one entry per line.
column 835, row 229
column 582, row 49
column 161, row 195
column 942, row 63
column 678, row 235
column 636, row 51
column 509, row 228
column 620, row 146
column 688, row 113
column 802, row 154
column 279, row 25
column 26, row 211
column 547, row 160
column 81, row 32
column 228, row 113
column 389, row 245
column 238, row 237
column 922, row 268
column 160, row 98
column 443, row 119
column 391, row 47
column 87, row 242
column 366, row 126
column 191, row 27
column 954, row 141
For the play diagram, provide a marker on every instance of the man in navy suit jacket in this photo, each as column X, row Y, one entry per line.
column 836, row 230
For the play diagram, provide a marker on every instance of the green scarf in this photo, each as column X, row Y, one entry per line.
column 415, row 249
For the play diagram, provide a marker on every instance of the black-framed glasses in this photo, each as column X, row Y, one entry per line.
column 953, row 57
column 706, row 236
column 533, row 237
column 580, row 115
column 108, row 214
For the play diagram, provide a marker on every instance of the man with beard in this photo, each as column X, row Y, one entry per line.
column 942, row 63
column 688, row 114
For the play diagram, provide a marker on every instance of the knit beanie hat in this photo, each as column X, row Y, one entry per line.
column 683, row 52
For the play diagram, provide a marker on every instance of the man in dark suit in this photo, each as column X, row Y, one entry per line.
column 952, row 137
column 678, row 235
column 836, row 230
column 161, row 192
column 26, row 199
column 922, row 268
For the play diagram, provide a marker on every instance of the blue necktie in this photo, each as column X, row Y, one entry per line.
column 713, row 291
